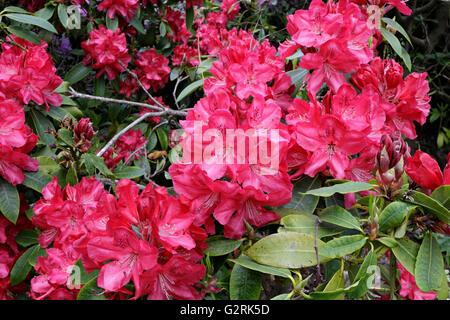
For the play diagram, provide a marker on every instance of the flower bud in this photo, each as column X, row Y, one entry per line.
column 83, row 134
column 390, row 161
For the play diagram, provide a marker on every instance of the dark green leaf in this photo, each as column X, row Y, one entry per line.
column 21, row 268
column 394, row 214
column 340, row 217
column 190, row 89
column 429, row 268
column 27, row 237
column 431, row 206
column 129, row 173
column 77, row 73
column 302, row 201
column 406, row 251
column 91, row 291
column 245, row 284
column 30, row 19
column 219, row 246
column 9, row 201
column 245, row 261
column 36, row 180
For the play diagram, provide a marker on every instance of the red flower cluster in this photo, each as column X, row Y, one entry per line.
column 125, row 148
column 28, row 74
column 148, row 238
column 104, row 49
column 9, row 251
column 152, row 69
column 126, row 8
column 243, row 94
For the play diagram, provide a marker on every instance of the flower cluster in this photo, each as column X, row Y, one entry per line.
column 243, row 94
column 126, row 8
column 9, row 251
column 341, row 134
column 27, row 73
column 106, row 50
column 127, row 148
column 148, row 238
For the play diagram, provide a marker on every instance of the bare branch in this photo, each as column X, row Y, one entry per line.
column 75, row 94
column 128, row 127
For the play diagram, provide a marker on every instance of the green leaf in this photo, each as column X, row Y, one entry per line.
column 163, row 137
column 363, row 275
column 220, row 246
column 27, row 237
column 394, row 214
column 283, row 296
column 395, row 44
column 72, row 177
column 21, row 268
column 62, row 14
column 343, row 188
column 302, row 201
column 429, row 268
column 342, row 246
column 84, row 276
column 16, row 10
column 59, row 113
column 66, row 136
column 297, row 76
column 190, row 89
column 97, row 162
column 33, row 20
column 45, row 13
column 296, row 55
column 189, row 18
column 286, row 250
column 9, row 201
column 388, row 242
column 42, row 125
column 129, row 173
column 24, row 34
column 137, row 24
column 91, row 291
column 442, row 194
column 394, row 24
column 431, row 206
column 40, row 252
column 245, row 284
column 36, row 180
column 406, row 251
column 305, row 223
column 337, row 282
column 442, row 292
column 162, row 32
column 77, row 73
column 245, row 261
column 339, row 216
column 112, row 24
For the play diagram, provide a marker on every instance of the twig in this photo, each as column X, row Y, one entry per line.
column 134, row 75
column 128, row 127
column 75, row 94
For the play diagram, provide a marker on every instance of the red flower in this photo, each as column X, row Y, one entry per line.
column 153, row 69
column 28, row 75
column 126, row 8
column 104, row 49
column 174, row 279
column 425, row 171
column 409, row 287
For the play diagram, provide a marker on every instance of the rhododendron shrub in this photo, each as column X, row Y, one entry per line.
column 166, row 151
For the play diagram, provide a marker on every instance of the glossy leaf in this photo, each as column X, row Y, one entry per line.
column 406, row 252
column 9, row 201
column 343, row 188
column 340, row 217
column 429, row 267
column 245, row 261
column 220, row 246
column 342, row 246
column 245, row 284
column 286, row 250
column 302, row 201
column 394, row 214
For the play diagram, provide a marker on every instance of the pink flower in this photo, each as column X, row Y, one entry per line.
column 104, row 49
column 409, row 287
column 153, row 69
